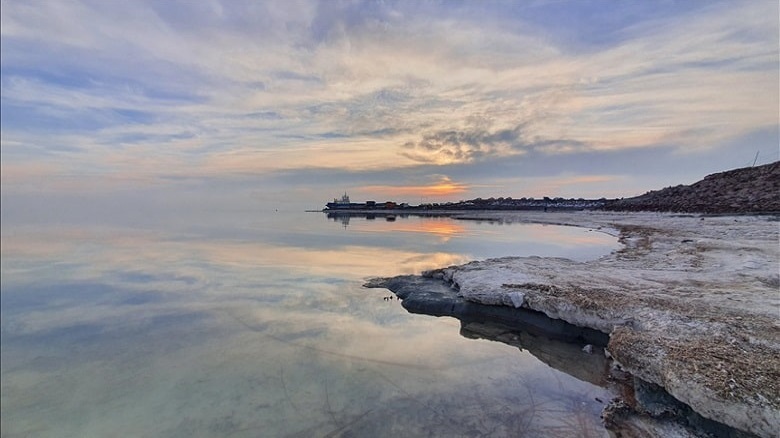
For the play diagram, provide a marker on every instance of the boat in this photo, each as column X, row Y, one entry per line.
column 343, row 204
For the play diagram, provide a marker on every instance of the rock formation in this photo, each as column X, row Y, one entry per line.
column 747, row 190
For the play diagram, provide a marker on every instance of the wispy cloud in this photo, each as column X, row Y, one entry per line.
column 159, row 90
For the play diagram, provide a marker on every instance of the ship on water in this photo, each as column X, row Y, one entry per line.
column 340, row 204
column 345, row 204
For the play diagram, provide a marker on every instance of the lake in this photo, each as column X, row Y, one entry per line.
column 232, row 325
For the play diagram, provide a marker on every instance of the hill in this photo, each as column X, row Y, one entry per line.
column 747, row 190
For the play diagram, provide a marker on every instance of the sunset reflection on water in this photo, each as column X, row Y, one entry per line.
column 442, row 228
column 260, row 328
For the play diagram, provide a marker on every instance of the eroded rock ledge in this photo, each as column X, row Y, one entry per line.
column 691, row 304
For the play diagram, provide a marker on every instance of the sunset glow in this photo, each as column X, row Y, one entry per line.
column 296, row 103
column 237, row 218
column 444, row 188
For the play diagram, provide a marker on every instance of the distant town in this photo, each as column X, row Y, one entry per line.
column 748, row 190
column 545, row 203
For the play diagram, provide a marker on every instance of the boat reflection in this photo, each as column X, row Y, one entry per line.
column 345, row 216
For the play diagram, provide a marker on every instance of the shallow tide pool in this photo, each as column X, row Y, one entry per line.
column 260, row 326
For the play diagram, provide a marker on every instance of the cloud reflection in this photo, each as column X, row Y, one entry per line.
column 237, row 331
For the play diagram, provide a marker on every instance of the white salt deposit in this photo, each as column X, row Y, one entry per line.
column 685, row 292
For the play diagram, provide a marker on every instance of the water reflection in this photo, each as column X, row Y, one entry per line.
column 479, row 239
column 261, row 328
column 441, row 226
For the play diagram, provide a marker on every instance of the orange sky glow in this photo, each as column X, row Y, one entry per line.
column 443, row 189
column 385, row 100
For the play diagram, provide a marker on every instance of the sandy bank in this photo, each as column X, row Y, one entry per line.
column 691, row 303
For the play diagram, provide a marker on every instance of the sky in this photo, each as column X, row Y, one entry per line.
column 288, row 104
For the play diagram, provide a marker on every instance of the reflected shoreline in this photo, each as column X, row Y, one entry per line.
column 570, row 357
column 553, row 341
column 389, row 216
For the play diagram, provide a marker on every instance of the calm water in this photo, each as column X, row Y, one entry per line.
column 257, row 325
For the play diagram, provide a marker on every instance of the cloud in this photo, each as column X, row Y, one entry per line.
column 444, row 147
column 475, row 144
column 156, row 91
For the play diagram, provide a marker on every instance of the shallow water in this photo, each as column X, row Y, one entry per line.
column 259, row 326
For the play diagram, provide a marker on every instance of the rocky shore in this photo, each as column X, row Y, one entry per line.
column 690, row 304
column 746, row 190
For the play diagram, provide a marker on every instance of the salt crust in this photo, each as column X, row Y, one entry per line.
column 692, row 303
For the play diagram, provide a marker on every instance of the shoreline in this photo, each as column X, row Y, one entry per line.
column 691, row 304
